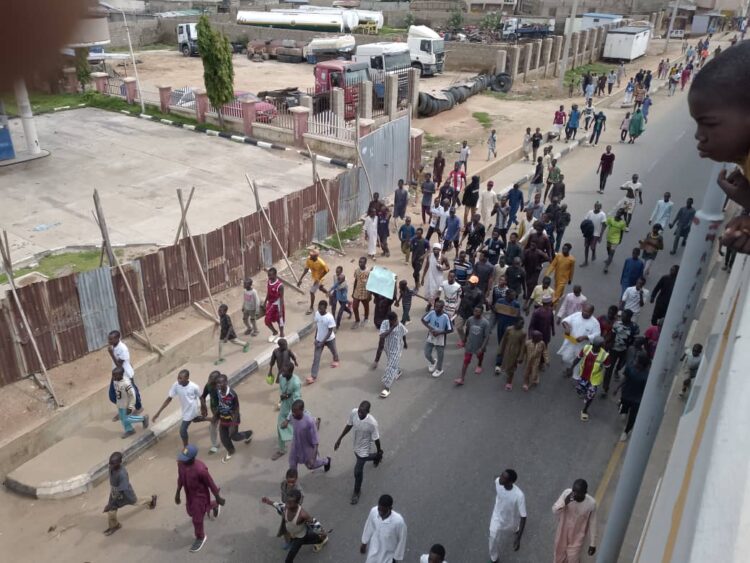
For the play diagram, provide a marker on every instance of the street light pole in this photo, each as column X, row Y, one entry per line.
column 671, row 24
column 685, row 296
column 566, row 46
column 130, row 48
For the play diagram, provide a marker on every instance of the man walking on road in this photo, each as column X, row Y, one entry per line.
column 438, row 326
column 121, row 493
column 305, row 441
column 324, row 338
column 594, row 360
column 580, row 329
column 193, row 476
column 229, row 418
column 274, row 305
column 662, row 212
column 593, row 232
column 683, row 220
column 616, row 226
column 509, row 515
column 606, row 167
column 318, row 269
column 366, row 443
column 576, row 518
column 120, row 355
column 384, row 536
column 189, row 395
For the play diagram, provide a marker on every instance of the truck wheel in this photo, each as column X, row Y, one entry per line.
column 186, row 50
column 512, row 37
column 502, row 83
column 418, row 67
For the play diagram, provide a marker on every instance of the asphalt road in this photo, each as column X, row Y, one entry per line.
column 443, row 445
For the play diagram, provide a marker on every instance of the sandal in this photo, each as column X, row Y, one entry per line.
column 458, row 381
column 384, row 393
column 318, row 546
column 478, row 370
column 508, row 387
column 584, row 416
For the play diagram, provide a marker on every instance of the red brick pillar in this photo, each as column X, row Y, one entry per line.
column 131, row 89
column 165, row 96
column 100, row 81
column 201, row 105
column 301, row 115
column 248, row 116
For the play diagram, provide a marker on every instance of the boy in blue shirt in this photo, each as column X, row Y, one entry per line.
column 406, row 232
column 438, row 325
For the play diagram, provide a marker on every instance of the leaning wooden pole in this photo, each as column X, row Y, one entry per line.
column 118, row 265
column 254, row 188
column 183, row 213
column 8, row 266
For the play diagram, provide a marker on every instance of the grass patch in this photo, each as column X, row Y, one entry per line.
column 483, row 118
column 576, row 74
column 386, row 30
column 433, row 141
column 350, row 233
column 56, row 264
column 41, row 103
column 509, row 96
column 154, row 47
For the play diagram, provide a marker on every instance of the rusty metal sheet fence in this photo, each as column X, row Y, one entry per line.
column 71, row 316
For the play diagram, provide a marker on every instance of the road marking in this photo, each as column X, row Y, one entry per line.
column 614, row 461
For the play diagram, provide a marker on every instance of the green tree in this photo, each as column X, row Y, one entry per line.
column 218, row 71
column 83, row 69
column 456, row 20
column 409, row 20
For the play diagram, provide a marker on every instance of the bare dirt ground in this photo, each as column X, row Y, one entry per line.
column 529, row 104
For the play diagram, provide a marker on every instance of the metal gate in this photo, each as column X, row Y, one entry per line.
column 385, row 153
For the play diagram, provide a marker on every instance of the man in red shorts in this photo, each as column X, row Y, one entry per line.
column 274, row 305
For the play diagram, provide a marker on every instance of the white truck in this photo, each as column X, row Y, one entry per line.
column 427, row 50
column 187, row 39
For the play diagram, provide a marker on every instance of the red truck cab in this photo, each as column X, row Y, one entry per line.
column 341, row 74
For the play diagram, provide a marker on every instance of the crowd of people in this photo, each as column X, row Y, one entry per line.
column 513, row 272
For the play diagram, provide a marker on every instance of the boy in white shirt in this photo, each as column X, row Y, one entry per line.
column 189, row 395
column 125, row 401
column 325, row 337
column 250, row 307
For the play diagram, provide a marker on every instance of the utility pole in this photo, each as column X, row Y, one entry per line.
column 566, row 45
column 671, row 23
column 685, row 296
column 130, row 48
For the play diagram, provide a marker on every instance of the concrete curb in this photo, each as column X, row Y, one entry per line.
column 79, row 484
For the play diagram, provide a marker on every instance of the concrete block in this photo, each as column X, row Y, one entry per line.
column 515, row 54
column 546, row 56
column 413, row 86
column 165, row 96
column 501, row 58
column 391, row 95
column 526, row 60
column 337, row 105
column 100, row 81
column 365, row 99
column 131, row 89
column 537, row 53
column 301, row 116
column 248, row 116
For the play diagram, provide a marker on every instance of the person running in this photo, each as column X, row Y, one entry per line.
column 636, row 376
column 683, row 220
column 662, row 293
column 651, row 244
column 478, row 332
column 406, row 232
column 633, row 196
column 632, row 270
column 508, row 519
column 392, row 339
column 624, row 333
column 193, row 476
column 579, row 329
column 436, row 555
column 384, row 535
column 575, row 510
column 634, row 297
column 563, row 267
column 250, row 308
column 290, row 390
column 210, row 390
column 301, row 528
column 536, row 356
column 588, row 114
column 340, row 290
column 189, row 395
column 125, row 402
column 691, row 361
column 274, row 305
column 325, row 337
column 366, row 444
column 228, row 417
column 558, row 122
column 592, row 227
column 599, row 126
column 637, row 126
column 318, row 270
column 120, row 356
column 438, row 325
column 594, row 360
column 121, row 493
column 616, row 226
column 606, row 167
column 305, row 439
column 227, row 334
column 359, row 290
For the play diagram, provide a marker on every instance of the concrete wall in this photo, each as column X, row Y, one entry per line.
column 143, row 31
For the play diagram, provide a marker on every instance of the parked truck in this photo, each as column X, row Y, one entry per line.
column 346, row 75
column 515, row 28
column 187, row 39
column 426, row 49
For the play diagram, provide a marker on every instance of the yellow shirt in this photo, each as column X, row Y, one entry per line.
column 318, row 268
column 540, row 293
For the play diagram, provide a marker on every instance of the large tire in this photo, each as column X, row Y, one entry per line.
column 186, row 50
column 502, row 83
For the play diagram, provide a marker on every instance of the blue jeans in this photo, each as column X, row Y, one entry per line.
column 128, row 419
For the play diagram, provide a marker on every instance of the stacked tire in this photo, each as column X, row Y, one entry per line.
column 428, row 105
